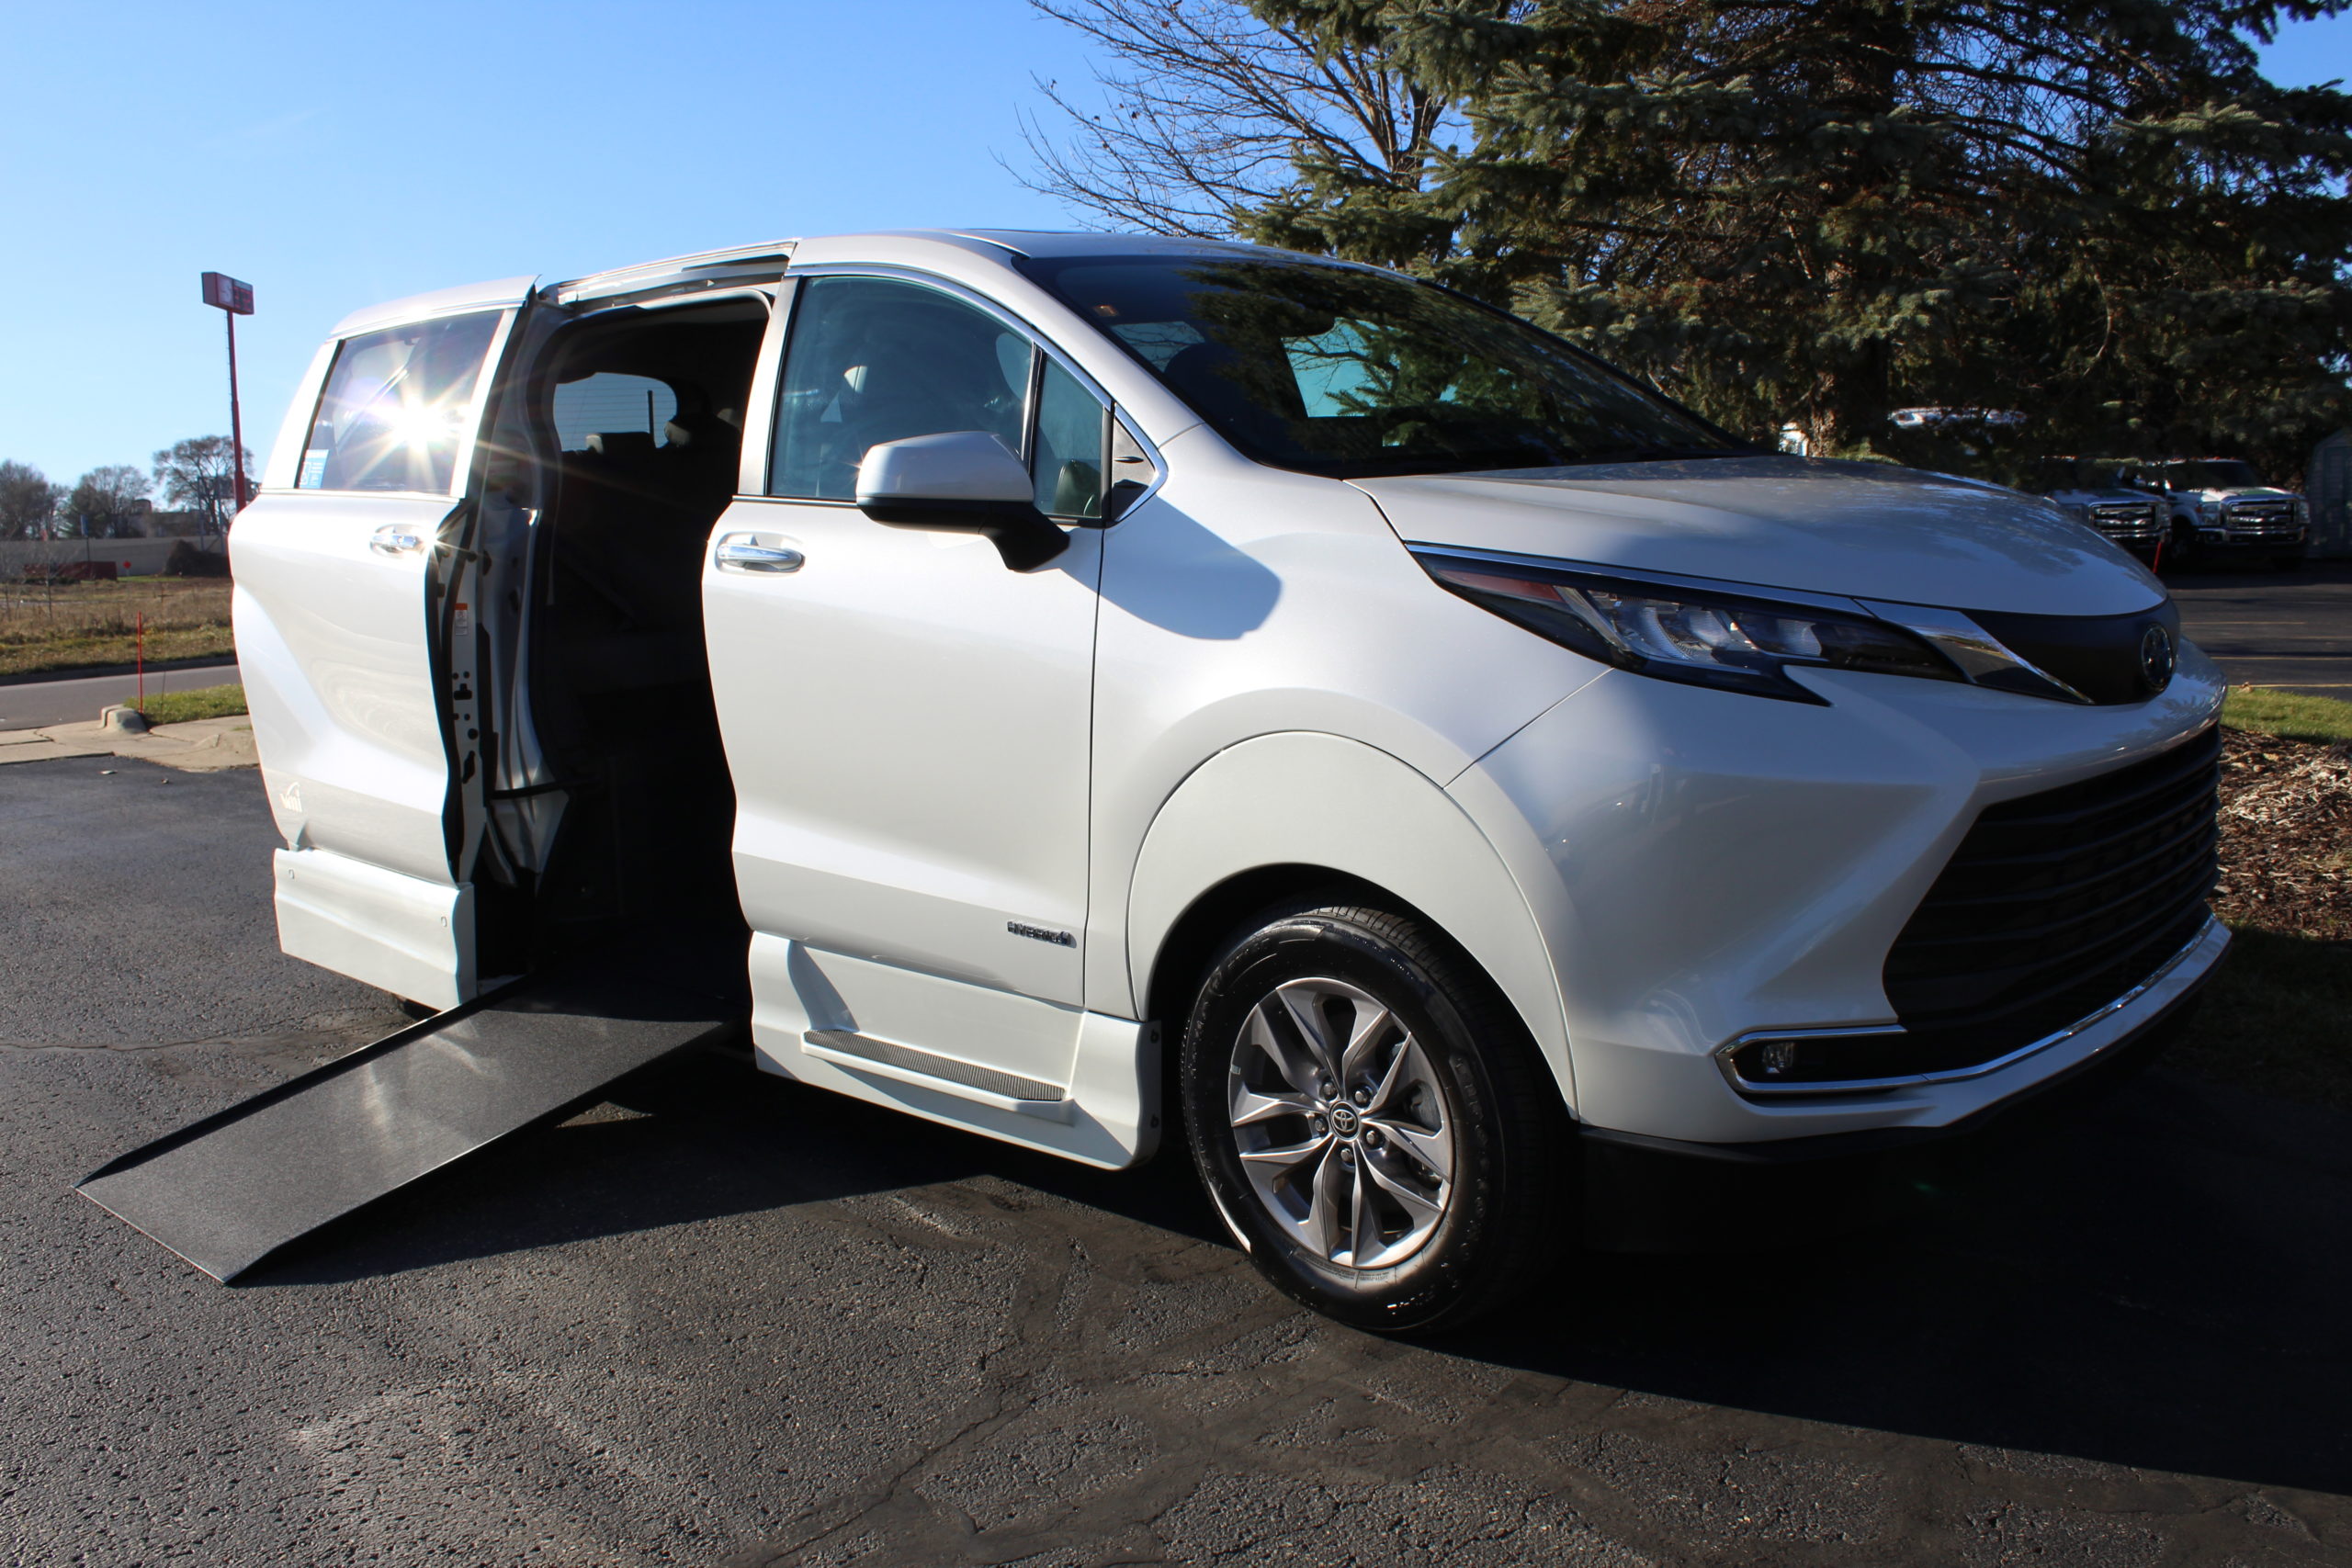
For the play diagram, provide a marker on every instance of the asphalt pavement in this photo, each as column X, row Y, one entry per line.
column 2291, row 630
column 721, row 1319
column 36, row 705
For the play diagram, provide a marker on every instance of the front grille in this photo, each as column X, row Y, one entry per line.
column 2126, row 521
column 2265, row 520
column 2056, row 904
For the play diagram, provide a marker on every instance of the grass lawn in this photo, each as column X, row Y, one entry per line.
column 72, row 626
column 2286, row 714
column 204, row 702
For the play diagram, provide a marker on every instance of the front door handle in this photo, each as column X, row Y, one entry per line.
column 395, row 539
column 743, row 552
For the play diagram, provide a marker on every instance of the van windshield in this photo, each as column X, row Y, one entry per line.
column 1348, row 372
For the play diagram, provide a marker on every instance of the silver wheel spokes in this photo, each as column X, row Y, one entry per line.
column 1341, row 1126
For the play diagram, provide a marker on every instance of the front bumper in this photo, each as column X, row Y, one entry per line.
column 2256, row 541
column 1645, row 1194
column 1706, row 866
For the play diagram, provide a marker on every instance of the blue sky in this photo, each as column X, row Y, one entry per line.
column 334, row 156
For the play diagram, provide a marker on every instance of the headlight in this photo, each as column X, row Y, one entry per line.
column 1676, row 633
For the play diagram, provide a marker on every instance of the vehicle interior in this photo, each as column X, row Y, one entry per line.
column 638, row 417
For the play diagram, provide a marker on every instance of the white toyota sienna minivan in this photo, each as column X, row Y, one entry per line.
column 995, row 654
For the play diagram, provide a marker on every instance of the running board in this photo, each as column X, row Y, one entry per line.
column 229, row 1191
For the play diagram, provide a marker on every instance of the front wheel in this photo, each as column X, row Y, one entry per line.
column 1373, row 1122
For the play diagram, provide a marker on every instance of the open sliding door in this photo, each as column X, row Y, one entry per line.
column 344, row 607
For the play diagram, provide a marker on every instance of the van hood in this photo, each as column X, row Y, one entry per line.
column 1860, row 529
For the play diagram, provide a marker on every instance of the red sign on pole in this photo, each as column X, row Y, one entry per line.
column 227, row 294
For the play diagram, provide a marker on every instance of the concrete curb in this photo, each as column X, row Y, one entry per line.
column 199, row 746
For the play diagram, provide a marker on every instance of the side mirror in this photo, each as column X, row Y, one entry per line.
column 965, row 481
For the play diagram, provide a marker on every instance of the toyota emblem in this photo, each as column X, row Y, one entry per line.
column 2157, row 658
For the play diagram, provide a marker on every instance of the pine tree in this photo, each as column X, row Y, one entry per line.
column 2096, row 211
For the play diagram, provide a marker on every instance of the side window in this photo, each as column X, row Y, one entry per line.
column 873, row 360
column 395, row 407
column 608, row 402
column 1068, row 457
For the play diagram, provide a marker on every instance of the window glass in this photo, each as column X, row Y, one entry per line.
column 2221, row 473
column 608, row 402
column 1070, row 447
column 1348, row 371
column 395, row 407
column 874, row 360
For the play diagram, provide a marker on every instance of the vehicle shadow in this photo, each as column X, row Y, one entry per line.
column 2160, row 1282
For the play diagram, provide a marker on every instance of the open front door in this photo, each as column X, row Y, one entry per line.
column 345, row 601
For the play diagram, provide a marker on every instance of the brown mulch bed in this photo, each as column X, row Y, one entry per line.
column 2286, row 835
column 2278, row 1015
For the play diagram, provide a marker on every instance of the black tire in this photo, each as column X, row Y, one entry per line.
column 1506, row 1209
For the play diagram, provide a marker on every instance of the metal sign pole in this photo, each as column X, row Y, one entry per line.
column 234, row 299
column 236, row 421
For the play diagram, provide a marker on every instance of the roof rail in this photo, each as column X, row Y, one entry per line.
column 739, row 263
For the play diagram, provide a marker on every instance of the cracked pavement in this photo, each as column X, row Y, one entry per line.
column 722, row 1319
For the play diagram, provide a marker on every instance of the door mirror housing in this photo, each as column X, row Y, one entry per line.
column 965, row 481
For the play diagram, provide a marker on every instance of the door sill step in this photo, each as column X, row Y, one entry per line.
column 887, row 1058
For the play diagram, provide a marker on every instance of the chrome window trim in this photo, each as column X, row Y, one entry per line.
column 1723, row 1054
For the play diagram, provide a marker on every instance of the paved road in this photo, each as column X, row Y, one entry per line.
column 37, row 704
column 2293, row 630
column 723, row 1320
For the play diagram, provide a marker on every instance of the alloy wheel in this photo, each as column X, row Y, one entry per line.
column 1344, row 1131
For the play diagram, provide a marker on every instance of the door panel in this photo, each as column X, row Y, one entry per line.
column 331, row 637
column 907, row 720
column 907, row 725
column 334, row 608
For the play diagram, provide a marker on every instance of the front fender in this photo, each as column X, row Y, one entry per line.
column 1313, row 799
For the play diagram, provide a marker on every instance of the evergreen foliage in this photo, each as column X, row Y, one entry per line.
column 2096, row 211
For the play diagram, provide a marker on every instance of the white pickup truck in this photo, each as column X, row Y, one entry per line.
column 2221, row 506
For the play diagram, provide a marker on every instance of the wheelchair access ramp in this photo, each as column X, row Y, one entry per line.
column 229, row 1191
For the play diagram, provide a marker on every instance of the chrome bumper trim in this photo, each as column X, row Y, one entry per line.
column 2213, row 934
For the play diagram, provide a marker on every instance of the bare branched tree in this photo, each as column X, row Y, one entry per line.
column 1208, row 115
column 109, row 501
column 195, row 475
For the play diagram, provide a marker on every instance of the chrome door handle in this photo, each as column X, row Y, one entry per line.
column 741, row 552
column 395, row 539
